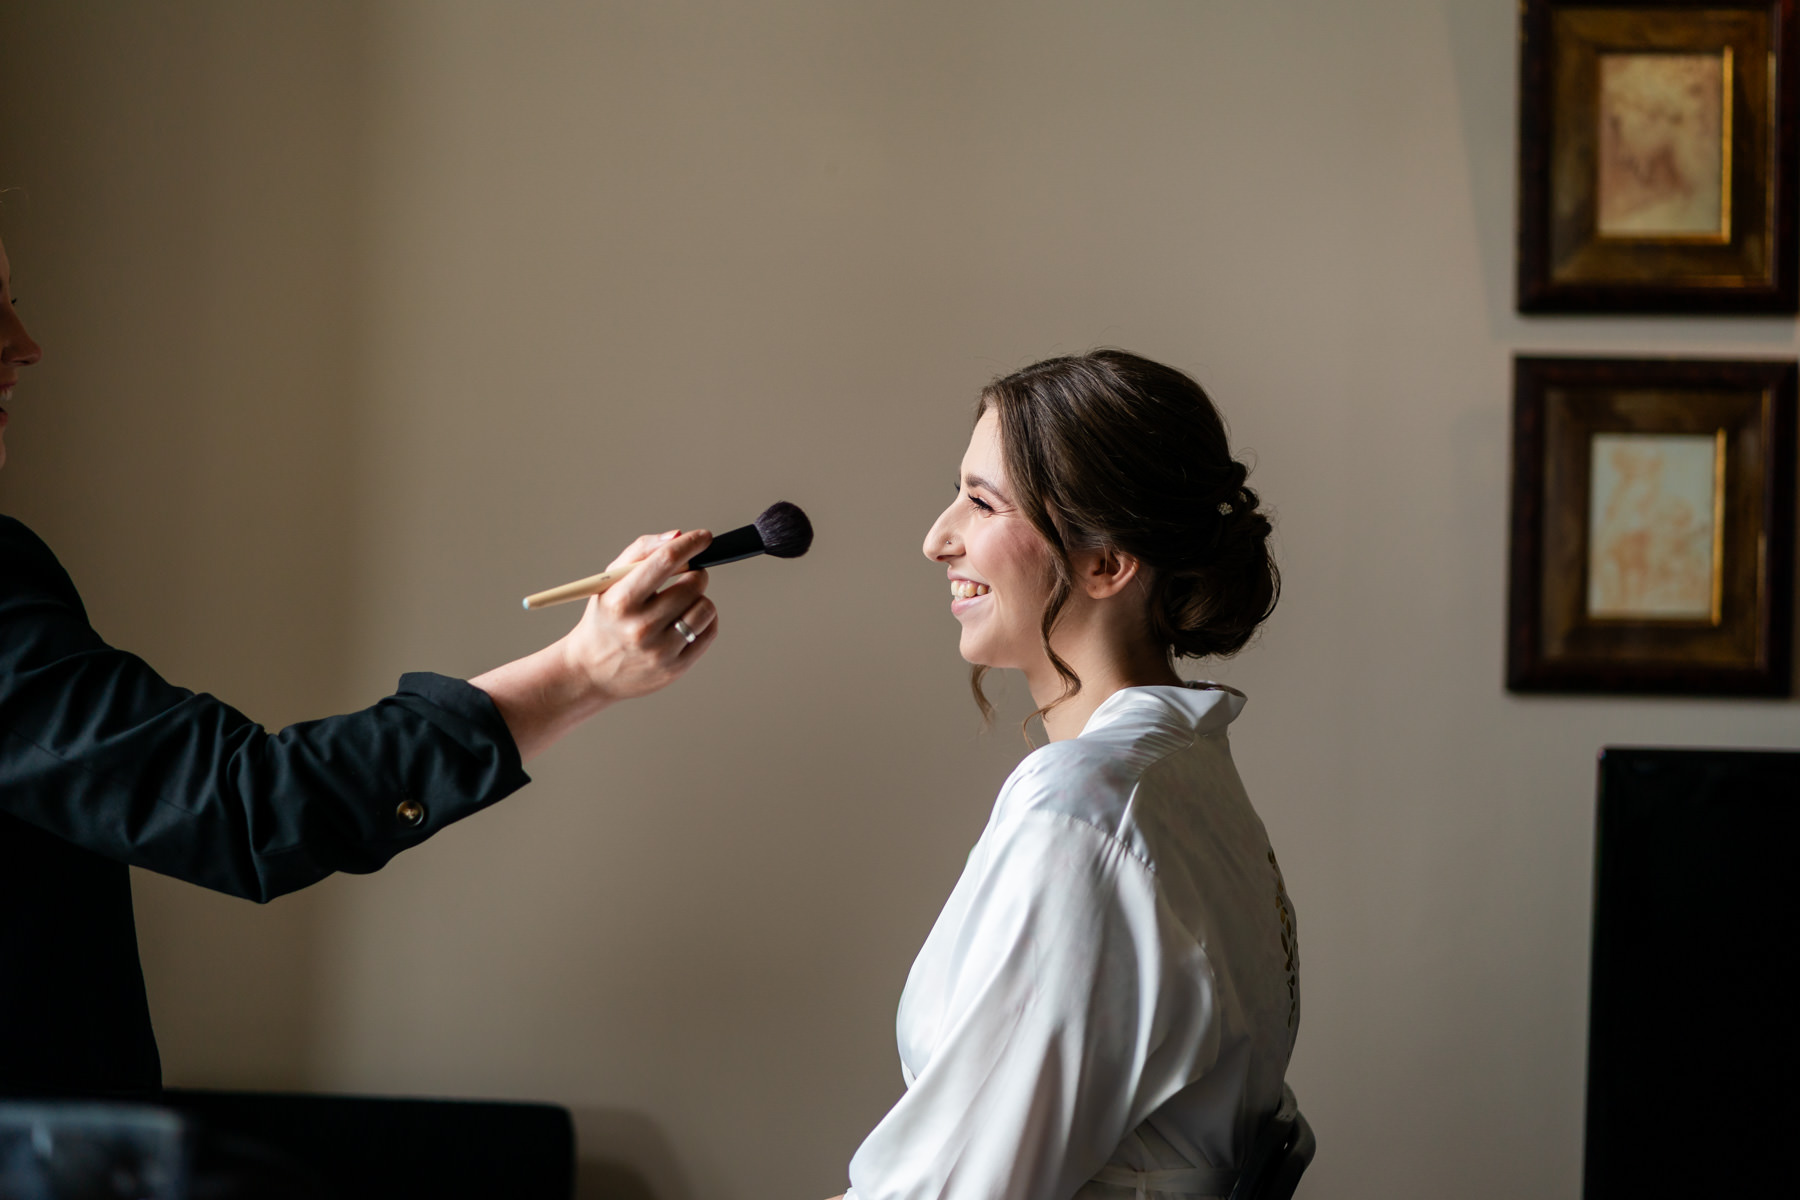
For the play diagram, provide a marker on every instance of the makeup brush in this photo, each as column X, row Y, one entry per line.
column 781, row 532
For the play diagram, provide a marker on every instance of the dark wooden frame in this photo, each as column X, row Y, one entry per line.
column 1552, row 643
column 1563, row 265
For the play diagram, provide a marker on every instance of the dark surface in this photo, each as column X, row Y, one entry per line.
column 1539, row 292
column 69, row 1150
column 104, row 765
column 360, row 1146
column 1765, row 533
column 1693, row 1043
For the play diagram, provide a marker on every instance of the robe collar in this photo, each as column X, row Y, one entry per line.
column 1201, row 706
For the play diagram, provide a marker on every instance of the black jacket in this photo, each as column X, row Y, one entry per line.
column 104, row 765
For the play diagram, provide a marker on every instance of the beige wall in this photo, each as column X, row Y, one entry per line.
column 364, row 318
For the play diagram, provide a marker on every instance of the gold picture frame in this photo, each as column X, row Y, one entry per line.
column 1652, row 526
column 1657, row 157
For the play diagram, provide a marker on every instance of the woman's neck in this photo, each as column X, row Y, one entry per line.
column 1101, row 677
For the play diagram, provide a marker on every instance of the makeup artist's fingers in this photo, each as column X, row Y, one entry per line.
column 620, row 657
column 660, row 610
column 702, row 639
column 639, row 550
column 699, row 616
column 656, row 569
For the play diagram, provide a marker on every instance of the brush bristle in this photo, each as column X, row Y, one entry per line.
column 785, row 531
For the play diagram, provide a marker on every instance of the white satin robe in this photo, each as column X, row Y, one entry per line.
column 1113, row 982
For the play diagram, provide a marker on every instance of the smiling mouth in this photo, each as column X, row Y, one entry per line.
column 966, row 589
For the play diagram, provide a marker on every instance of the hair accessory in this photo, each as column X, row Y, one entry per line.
column 1224, row 509
column 681, row 627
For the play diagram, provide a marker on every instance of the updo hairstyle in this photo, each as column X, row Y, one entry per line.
column 1108, row 450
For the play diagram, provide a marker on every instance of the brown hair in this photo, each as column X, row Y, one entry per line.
column 1108, row 450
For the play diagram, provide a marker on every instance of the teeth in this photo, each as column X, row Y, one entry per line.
column 962, row 589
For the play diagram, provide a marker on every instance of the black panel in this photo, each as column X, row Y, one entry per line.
column 381, row 1148
column 1693, row 1028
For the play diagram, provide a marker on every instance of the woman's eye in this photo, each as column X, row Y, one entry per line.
column 978, row 502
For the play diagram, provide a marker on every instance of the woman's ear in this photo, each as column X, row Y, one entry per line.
column 1104, row 573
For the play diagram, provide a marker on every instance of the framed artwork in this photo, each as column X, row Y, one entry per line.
column 1652, row 526
column 1658, row 157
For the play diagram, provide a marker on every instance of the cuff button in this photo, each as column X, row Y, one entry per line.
column 410, row 812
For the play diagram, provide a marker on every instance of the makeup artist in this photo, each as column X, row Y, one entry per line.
column 105, row 766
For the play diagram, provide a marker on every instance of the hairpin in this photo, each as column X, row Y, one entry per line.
column 1224, row 509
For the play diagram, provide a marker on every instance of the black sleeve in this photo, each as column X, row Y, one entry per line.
column 96, row 748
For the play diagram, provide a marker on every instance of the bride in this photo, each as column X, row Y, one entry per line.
column 1107, row 1003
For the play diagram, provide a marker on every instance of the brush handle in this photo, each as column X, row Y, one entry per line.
column 732, row 546
column 579, row 589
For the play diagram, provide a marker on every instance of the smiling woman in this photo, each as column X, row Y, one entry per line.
column 1127, row 535
column 1108, row 1001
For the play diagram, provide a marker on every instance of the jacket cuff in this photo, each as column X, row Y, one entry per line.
column 473, row 710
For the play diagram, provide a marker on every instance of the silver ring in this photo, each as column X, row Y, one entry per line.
column 681, row 627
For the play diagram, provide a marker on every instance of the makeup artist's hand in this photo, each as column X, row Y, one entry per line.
column 625, row 645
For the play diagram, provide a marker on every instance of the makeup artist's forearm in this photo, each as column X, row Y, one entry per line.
column 540, row 698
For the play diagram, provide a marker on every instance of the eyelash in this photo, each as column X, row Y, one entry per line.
column 979, row 503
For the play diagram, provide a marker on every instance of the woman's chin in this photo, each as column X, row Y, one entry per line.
column 975, row 654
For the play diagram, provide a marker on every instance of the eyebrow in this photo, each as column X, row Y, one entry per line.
column 976, row 481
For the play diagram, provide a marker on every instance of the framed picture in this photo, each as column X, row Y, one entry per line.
column 1657, row 157
column 1652, row 526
